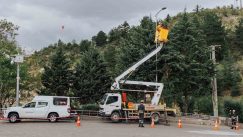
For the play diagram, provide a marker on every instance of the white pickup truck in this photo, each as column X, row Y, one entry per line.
column 41, row 107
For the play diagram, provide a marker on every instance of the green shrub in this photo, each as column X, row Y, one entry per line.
column 204, row 105
column 235, row 91
column 90, row 107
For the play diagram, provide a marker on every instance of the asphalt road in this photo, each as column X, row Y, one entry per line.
column 91, row 128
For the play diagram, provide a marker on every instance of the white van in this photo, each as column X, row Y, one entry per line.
column 41, row 107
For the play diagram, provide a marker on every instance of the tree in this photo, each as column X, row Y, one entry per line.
column 197, row 9
column 118, row 33
column 7, row 70
column 91, row 79
column 8, row 31
column 85, row 45
column 186, row 61
column 56, row 78
column 100, row 39
column 215, row 33
column 138, row 43
column 228, row 77
column 8, row 81
column 239, row 36
column 110, row 54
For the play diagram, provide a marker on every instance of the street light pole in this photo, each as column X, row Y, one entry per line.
column 156, row 17
column 17, row 59
column 17, row 86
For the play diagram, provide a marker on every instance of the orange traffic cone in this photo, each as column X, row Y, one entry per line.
column 152, row 123
column 216, row 126
column 237, row 126
column 78, row 122
column 179, row 123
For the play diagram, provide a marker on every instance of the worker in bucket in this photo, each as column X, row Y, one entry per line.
column 141, row 109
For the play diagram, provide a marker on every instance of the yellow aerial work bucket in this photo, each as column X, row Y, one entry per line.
column 161, row 34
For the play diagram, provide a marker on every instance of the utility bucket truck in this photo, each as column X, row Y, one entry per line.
column 116, row 107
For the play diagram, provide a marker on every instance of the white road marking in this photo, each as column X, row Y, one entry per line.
column 222, row 133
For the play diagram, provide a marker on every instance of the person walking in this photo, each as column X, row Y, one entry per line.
column 141, row 110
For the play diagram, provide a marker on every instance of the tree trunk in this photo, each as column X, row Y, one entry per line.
column 186, row 104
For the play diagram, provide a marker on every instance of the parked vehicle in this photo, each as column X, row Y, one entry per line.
column 41, row 107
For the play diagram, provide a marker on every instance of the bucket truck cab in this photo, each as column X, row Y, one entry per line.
column 110, row 103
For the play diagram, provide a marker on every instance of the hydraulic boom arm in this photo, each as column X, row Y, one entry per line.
column 116, row 84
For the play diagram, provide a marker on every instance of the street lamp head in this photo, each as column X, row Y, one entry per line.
column 159, row 12
column 163, row 8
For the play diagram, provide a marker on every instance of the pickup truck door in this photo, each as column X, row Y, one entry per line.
column 28, row 110
column 41, row 110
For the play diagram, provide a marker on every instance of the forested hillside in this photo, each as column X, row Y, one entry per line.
column 88, row 68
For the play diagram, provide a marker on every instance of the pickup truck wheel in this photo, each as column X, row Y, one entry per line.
column 115, row 117
column 156, row 118
column 52, row 117
column 13, row 118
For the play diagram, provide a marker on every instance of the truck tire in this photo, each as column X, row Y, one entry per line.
column 53, row 117
column 13, row 117
column 115, row 117
column 156, row 118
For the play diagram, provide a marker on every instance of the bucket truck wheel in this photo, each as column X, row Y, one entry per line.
column 115, row 117
column 156, row 118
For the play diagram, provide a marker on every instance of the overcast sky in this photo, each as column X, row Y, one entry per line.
column 40, row 21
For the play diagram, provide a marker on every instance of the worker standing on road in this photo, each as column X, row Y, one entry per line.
column 141, row 109
column 233, row 119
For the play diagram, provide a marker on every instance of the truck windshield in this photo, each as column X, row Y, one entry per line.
column 102, row 101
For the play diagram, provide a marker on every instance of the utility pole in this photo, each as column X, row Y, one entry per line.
column 214, row 84
column 240, row 4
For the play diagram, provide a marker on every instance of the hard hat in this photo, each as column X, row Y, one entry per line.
column 141, row 101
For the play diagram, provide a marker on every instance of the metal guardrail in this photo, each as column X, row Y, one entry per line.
column 86, row 112
column 197, row 116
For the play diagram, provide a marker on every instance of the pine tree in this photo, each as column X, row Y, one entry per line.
column 110, row 53
column 56, row 78
column 228, row 76
column 215, row 33
column 118, row 33
column 138, row 44
column 239, row 36
column 91, row 79
column 100, row 39
column 186, row 61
